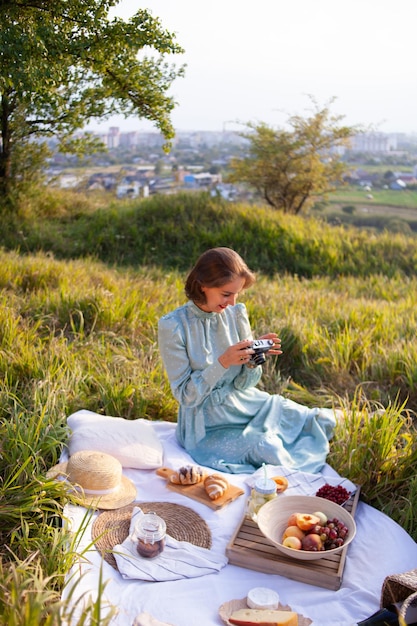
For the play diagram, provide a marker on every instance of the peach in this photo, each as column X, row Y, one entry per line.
column 312, row 542
column 292, row 542
column 281, row 483
column 306, row 521
column 292, row 520
column 293, row 531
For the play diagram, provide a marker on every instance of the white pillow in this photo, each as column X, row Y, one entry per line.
column 133, row 442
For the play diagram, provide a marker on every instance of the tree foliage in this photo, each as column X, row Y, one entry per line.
column 65, row 62
column 290, row 168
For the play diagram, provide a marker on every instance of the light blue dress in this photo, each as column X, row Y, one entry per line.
column 224, row 420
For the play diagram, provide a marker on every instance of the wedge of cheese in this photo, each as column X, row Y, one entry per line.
column 263, row 617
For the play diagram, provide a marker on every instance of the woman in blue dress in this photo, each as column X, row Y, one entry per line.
column 224, row 420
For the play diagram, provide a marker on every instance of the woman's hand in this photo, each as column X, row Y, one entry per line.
column 238, row 354
column 276, row 349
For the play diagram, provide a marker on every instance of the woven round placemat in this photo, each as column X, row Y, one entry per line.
column 111, row 528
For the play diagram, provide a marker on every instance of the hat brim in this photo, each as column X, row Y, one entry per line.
column 57, row 470
column 125, row 494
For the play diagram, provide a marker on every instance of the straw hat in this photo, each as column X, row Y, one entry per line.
column 97, row 479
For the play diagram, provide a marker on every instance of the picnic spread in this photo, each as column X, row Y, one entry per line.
column 206, row 556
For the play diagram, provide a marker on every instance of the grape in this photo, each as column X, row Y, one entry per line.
column 337, row 494
column 333, row 534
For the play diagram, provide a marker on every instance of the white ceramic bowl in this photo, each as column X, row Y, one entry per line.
column 273, row 517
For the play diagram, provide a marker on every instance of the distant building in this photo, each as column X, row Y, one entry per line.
column 193, row 140
column 132, row 190
column 129, row 140
column 68, row 181
column 406, row 177
column 398, row 185
column 113, row 138
column 374, row 143
column 202, row 179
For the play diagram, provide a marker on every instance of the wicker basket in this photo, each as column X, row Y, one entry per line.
column 410, row 604
column 397, row 588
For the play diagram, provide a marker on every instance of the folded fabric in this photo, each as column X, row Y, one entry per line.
column 179, row 559
column 132, row 442
column 300, row 483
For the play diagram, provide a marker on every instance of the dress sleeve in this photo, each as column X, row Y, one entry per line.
column 247, row 377
column 190, row 387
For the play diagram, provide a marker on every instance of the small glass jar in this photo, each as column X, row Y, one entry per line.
column 263, row 491
column 149, row 535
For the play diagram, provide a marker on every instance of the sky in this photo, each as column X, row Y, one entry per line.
column 261, row 61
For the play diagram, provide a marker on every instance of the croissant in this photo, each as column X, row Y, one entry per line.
column 215, row 486
column 187, row 475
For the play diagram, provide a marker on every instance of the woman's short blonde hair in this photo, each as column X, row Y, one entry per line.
column 214, row 268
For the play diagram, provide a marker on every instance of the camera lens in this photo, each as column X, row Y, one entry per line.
column 258, row 358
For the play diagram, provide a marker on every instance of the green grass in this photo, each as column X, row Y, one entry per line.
column 170, row 232
column 81, row 293
column 388, row 198
column 386, row 210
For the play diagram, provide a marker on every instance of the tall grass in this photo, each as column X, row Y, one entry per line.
column 78, row 319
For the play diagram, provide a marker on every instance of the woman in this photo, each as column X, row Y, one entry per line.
column 224, row 421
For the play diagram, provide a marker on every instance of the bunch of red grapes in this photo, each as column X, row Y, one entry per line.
column 332, row 534
column 337, row 494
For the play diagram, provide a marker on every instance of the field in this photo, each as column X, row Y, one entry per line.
column 385, row 198
column 353, row 205
column 83, row 284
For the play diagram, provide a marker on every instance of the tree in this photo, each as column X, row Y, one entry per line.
column 291, row 168
column 65, row 62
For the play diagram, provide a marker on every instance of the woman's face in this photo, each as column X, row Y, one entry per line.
column 219, row 298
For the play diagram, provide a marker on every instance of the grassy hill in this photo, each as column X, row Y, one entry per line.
column 170, row 231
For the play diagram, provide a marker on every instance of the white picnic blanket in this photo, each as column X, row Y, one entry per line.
column 381, row 547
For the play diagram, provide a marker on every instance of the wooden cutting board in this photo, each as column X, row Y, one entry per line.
column 197, row 491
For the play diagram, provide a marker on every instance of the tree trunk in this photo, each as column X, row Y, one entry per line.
column 5, row 147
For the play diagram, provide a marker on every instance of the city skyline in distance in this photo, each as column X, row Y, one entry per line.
column 259, row 63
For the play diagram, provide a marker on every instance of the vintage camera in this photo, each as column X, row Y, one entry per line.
column 260, row 346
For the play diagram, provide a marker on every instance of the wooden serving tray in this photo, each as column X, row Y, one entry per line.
column 197, row 491
column 251, row 549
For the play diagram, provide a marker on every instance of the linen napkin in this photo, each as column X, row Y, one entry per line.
column 302, row 483
column 179, row 559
